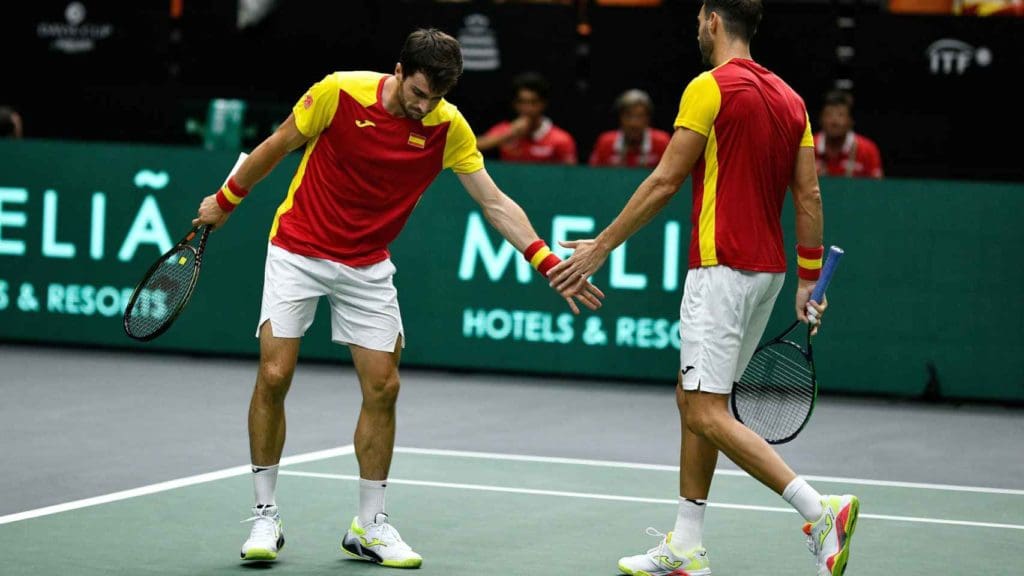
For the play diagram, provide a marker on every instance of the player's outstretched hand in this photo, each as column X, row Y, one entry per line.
column 569, row 277
column 590, row 296
column 210, row 213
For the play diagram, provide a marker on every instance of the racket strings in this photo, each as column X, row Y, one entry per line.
column 162, row 294
column 776, row 392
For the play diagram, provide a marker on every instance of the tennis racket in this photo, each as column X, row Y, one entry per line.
column 166, row 288
column 775, row 395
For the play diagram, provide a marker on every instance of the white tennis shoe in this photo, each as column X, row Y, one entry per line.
column 267, row 537
column 662, row 560
column 380, row 543
column 829, row 537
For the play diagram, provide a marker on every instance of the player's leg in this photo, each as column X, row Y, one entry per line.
column 371, row 535
column 278, row 357
column 365, row 315
column 375, row 430
column 750, row 298
column 290, row 292
column 266, row 441
column 708, row 416
column 697, row 461
column 831, row 518
column 724, row 314
column 681, row 550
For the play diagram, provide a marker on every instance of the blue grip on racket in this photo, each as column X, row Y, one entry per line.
column 834, row 254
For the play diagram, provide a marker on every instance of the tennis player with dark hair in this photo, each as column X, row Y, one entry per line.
column 373, row 143
column 744, row 136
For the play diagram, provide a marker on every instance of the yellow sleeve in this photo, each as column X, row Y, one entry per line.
column 699, row 105
column 807, row 141
column 315, row 110
column 460, row 151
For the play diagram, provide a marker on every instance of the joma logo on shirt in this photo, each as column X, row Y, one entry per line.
column 364, row 123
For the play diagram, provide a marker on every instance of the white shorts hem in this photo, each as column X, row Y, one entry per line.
column 371, row 346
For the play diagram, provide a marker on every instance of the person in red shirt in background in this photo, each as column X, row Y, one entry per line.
column 532, row 136
column 839, row 150
column 635, row 143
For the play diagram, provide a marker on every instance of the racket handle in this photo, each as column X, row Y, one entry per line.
column 831, row 261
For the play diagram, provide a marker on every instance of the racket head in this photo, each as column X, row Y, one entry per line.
column 164, row 290
column 775, row 395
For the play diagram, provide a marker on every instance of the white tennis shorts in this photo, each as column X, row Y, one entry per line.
column 721, row 320
column 364, row 301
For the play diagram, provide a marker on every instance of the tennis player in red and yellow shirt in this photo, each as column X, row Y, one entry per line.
column 744, row 136
column 373, row 144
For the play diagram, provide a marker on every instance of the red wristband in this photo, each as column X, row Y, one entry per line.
column 808, row 262
column 540, row 256
column 230, row 195
column 532, row 249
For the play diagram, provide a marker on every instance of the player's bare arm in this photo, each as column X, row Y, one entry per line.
column 508, row 218
column 256, row 167
column 809, row 224
column 649, row 199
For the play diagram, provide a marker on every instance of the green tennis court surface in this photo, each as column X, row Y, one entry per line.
column 470, row 513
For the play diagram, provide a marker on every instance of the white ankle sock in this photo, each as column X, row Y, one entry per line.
column 805, row 499
column 264, row 482
column 371, row 499
column 689, row 530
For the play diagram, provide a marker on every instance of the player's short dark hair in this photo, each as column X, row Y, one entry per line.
column 436, row 54
column 839, row 98
column 533, row 82
column 741, row 17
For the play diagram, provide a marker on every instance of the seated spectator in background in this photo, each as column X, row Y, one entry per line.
column 532, row 136
column 635, row 143
column 10, row 123
column 840, row 151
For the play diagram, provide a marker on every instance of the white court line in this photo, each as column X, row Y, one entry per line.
column 718, row 471
column 170, row 485
column 617, row 498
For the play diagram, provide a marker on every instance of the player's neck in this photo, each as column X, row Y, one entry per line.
column 728, row 50
column 389, row 97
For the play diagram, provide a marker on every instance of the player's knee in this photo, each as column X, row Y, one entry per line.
column 381, row 390
column 275, row 378
column 700, row 420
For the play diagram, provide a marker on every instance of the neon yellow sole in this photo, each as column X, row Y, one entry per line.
column 411, row 563
column 629, row 572
column 260, row 554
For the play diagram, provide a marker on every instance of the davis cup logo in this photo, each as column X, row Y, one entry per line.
column 307, row 101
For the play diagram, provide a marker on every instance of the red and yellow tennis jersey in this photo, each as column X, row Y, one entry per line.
column 364, row 170
column 754, row 123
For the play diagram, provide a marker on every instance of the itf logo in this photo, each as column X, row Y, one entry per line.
column 949, row 56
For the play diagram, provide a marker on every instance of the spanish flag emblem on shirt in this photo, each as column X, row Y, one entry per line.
column 417, row 140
